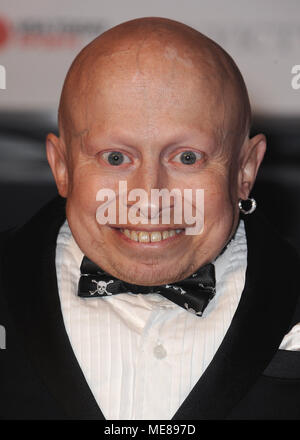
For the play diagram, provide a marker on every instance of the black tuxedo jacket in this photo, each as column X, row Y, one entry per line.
column 248, row 378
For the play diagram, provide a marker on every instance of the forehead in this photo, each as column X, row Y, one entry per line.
column 142, row 89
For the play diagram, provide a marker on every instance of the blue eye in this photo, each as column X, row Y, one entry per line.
column 188, row 157
column 116, row 158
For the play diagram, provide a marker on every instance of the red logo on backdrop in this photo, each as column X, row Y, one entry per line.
column 4, row 31
column 47, row 33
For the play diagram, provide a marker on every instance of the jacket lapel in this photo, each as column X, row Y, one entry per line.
column 34, row 302
column 257, row 329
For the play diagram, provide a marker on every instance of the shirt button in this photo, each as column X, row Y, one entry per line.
column 159, row 351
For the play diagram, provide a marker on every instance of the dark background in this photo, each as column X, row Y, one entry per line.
column 26, row 181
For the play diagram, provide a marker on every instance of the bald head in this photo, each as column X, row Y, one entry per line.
column 148, row 50
column 159, row 106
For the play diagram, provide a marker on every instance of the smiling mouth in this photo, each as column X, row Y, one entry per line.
column 150, row 237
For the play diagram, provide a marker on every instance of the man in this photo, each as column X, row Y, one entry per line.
column 155, row 104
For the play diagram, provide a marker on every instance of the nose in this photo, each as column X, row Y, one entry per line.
column 149, row 209
column 140, row 188
column 148, row 178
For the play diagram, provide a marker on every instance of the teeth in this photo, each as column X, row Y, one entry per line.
column 155, row 236
column 146, row 237
column 134, row 236
column 165, row 235
column 127, row 233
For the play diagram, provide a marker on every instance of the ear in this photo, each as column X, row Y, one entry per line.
column 57, row 158
column 252, row 154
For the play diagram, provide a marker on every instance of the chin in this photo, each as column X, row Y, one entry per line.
column 148, row 274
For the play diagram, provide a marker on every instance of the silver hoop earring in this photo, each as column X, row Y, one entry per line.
column 252, row 207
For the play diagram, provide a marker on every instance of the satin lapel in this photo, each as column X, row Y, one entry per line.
column 258, row 326
column 34, row 302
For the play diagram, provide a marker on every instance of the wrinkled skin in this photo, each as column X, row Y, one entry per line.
column 152, row 88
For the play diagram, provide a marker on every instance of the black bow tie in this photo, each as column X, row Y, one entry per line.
column 192, row 293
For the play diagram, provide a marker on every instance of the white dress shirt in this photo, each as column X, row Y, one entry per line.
column 141, row 355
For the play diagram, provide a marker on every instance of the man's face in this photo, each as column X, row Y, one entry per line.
column 150, row 113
